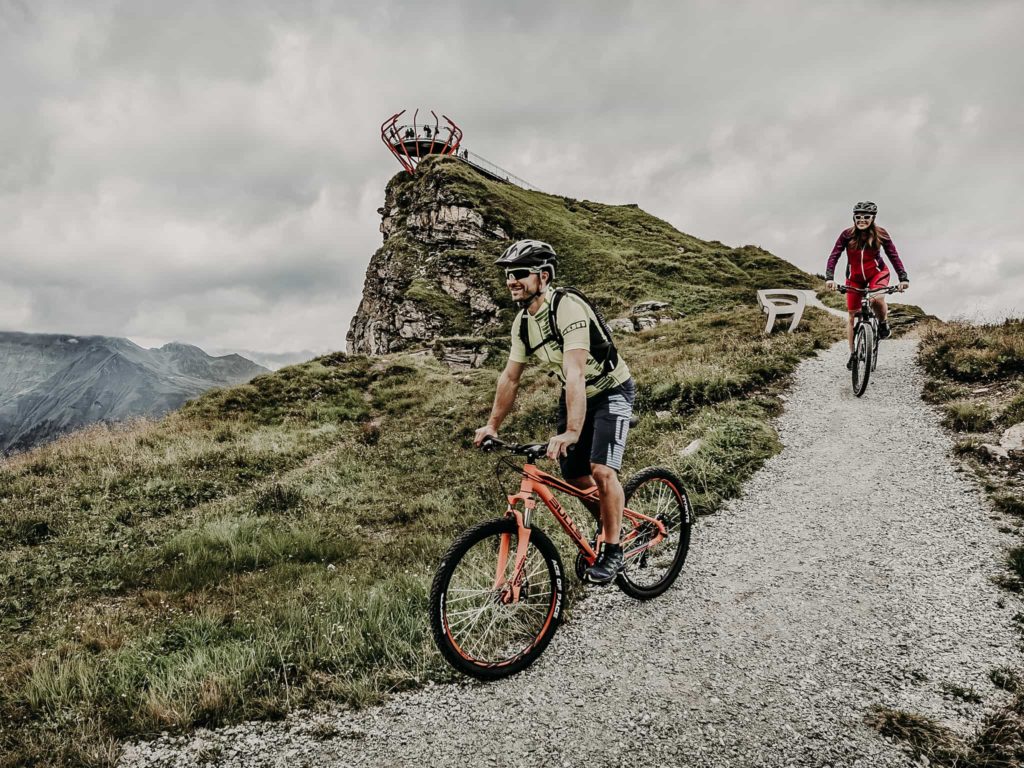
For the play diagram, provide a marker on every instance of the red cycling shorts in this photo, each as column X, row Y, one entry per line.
column 871, row 279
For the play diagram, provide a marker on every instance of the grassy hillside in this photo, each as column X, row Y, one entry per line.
column 618, row 253
column 976, row 377
column 271, row 546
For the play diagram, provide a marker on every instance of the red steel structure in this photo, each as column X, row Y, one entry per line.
column 410, row 143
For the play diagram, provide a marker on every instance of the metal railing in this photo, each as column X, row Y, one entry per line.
column 493, row 171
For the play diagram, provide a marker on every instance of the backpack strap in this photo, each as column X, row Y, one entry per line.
column 602, row 348
column 524, row 335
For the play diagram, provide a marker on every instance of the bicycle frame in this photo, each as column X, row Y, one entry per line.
column 536, row 482
column 866, row 313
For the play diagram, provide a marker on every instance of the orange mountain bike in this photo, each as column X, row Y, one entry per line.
column 497, row 596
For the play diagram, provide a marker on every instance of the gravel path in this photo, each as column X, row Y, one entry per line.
column 853, row 572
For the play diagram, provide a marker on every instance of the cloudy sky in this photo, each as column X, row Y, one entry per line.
column 210, row 171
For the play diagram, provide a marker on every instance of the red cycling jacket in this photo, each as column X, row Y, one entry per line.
column 861, row 264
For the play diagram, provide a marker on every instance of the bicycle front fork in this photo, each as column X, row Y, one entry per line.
column 511, row 587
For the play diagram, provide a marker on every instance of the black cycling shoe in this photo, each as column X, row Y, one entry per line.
column 608, row 564
column 849, row 363
column 884, row 332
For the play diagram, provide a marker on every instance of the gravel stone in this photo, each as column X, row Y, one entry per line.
column 855, row 571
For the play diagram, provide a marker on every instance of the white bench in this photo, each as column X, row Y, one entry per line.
column 781, row 301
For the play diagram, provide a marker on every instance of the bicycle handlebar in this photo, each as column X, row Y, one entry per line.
column 867, row 291
column 530, row 450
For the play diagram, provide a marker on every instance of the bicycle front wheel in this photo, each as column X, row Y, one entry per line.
column 863, row 354
column 650, row 570
column 489, row 618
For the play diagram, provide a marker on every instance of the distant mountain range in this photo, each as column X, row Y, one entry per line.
column 55, row 383
column 273, row 360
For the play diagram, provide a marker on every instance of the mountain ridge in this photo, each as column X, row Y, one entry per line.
column 51, row 384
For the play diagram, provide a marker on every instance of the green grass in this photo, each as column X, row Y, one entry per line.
column 271, row 546
column 974, row 353
column 1009, row 503
column 997, row 743
column 832, row 299
column 453, row 316
column 923, row 735
column 223, row 565
column 967, row 694
column 1013, row 412
column 1005, row 678
column 967, row 416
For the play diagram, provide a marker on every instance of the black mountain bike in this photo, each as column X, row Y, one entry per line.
column 865, row 336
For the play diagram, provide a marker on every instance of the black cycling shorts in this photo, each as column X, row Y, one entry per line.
column 603, row 438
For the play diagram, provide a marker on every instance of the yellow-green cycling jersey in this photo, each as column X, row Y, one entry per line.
column 574, row 322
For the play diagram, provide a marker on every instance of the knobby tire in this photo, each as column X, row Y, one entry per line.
column 863, row 349
column 655, row 492
column 478, row 633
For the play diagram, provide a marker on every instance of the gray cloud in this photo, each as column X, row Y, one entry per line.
column 210, row 172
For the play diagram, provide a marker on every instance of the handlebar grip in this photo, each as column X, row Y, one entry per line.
column 490, row 443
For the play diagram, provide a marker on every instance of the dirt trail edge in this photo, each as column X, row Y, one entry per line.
column 854, row 572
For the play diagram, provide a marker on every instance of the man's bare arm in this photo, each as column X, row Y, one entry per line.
column 504, row 397
column 574, row 368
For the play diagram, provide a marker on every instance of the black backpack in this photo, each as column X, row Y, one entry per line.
column 602, row 348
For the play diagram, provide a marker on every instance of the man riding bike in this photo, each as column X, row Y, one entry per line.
column 597, row 390
column 865, row 268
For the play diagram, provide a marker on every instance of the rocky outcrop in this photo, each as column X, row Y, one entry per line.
column 646, row 314
column 429, row 280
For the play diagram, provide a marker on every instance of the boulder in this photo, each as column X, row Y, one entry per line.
column 649, row 307
column 1013, row 439
column 692, row 448
column 650, row 314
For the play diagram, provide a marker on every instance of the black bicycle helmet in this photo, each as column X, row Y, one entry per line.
column 866, row 207
column 529, row 253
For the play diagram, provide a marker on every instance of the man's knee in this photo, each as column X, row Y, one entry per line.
column 603, row 475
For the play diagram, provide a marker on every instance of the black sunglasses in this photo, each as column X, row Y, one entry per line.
column 520, row 274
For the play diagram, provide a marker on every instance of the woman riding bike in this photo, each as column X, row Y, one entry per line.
column 863, row 243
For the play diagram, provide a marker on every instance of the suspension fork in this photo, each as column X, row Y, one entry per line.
column 511, row 588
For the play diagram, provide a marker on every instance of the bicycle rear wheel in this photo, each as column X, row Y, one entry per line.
column 649, row 571
column 479, row 625
column 863, row 354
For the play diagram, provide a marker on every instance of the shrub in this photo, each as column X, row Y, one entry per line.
column 1013, row 412
column 1011, row 504
column 966, row 416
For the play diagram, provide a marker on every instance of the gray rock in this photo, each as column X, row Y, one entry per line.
column 1013, row 438
column 693, row 447
column 649, row 307
column 996, row 452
